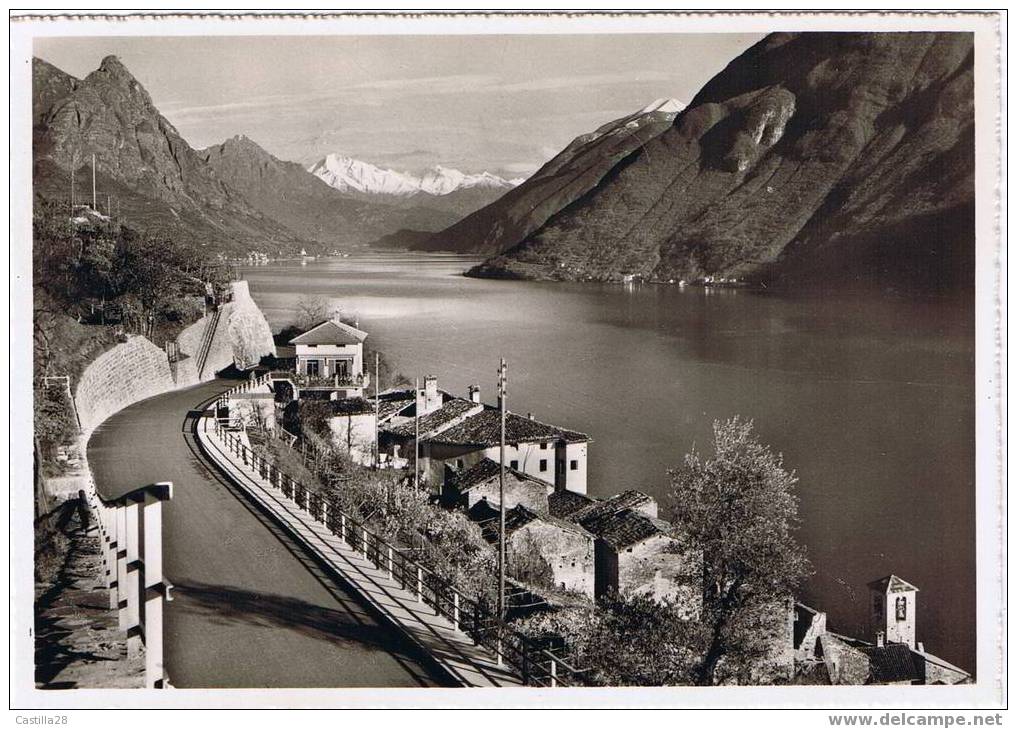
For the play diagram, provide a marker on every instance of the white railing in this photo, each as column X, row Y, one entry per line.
column 130, row 534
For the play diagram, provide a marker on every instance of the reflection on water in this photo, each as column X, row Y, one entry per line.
column 870, row 400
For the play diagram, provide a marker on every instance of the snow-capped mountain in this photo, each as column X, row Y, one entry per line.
column 352, row 175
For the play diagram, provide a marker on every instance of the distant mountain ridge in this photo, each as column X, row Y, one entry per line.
column 352, row 175
column 813, row 159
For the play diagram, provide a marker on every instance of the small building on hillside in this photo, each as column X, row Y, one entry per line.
column 543, row 551
column 637, row 554
column 481, row 483
column 329, row 361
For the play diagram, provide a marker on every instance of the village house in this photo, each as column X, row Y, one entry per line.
column 543, row 551
column 480, row 484
column 894, row 657
column 457, row 433
column 638, row 554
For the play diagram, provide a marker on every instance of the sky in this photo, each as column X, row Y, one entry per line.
column 502, row 103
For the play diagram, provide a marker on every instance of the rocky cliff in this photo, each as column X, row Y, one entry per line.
column 141, row 161
column 820, row 158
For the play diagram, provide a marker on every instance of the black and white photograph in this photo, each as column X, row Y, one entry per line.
column 508, row 360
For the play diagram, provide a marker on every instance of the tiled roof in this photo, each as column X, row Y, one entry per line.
column 892, row 583
column 331, row 332
column 519, row 516
column 485, row 470
column 892, row 663
column 484, row 429
column 563, row 503
column 626, row 528
column 436, row 421
column 630, row 499
column 390, row 408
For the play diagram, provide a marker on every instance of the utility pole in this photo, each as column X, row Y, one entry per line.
column 377, row 411
column 502, row 397
column 416, row 433
column 94, row 204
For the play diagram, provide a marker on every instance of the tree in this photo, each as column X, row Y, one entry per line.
column 624, row 641
column 740, row 507
column 312, row 310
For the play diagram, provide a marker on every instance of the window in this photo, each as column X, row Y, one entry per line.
column 543, row 465
column 573, row 465
column 313, row 368
column 902, row 608
column 459, row 462
column 543, row 446
column 514, row 465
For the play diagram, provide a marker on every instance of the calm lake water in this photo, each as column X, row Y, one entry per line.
column 871, row 400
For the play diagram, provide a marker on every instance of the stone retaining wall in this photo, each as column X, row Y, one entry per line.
column 129, row 372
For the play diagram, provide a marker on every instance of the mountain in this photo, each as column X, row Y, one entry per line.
column 304, row 203
column 813, row 159
column 570, row 175
column 437, row 198
column 354, row 176
column 158, row 181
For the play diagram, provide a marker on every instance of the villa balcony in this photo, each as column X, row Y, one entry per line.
column 321, row 382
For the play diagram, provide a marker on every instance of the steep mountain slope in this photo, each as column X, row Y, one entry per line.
column 816, row 158
column 159, row 181
column 572, row 173
column 301, row 201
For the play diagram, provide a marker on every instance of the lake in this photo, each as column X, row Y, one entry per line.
column 870, row 400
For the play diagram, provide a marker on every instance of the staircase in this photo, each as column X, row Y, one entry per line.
column 206, row 341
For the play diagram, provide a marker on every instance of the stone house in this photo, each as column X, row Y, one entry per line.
column 543, row 551
column 480, row 483
column 638, row 554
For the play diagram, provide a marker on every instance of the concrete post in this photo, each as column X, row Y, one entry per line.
column 554, row 672
column 155, row 589
column 342, row 527
column 455, row 610
column 109, row 516
column 363, row 534
column 420, row 585
column 324, row 511
column 121, row 594
column 132, row 591
column 390, row 563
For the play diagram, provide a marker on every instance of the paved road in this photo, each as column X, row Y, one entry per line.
column 249, row 608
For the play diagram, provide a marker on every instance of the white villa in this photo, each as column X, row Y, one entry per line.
column 331, row 354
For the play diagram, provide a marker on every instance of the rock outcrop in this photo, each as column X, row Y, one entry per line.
column 814, row 158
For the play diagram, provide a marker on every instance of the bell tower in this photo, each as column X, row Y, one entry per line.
column 893, row 603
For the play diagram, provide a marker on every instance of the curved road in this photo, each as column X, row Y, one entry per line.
column 249, row 608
